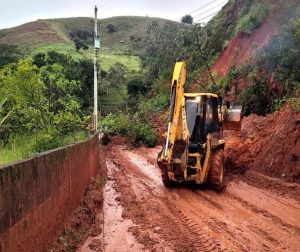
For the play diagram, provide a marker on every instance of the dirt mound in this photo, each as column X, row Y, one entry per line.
column 269, row 145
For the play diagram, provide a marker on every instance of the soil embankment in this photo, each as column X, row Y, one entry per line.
column 268, row 145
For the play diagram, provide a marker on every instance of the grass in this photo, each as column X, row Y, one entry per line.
column 43, row 33
column 24, row 146
column 110, row 58
column 253, row 19
column 65, row 48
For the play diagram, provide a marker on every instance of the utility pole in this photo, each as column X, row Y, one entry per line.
column 96, row 70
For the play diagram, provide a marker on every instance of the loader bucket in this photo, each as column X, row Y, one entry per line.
column 233, row 120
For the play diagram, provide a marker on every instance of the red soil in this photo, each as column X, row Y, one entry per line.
column 242, row 47
column 269, row 145
column 32, row 33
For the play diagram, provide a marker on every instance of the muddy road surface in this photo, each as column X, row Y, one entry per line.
column 140, row 214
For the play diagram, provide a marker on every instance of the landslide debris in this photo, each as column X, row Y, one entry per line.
column 269, row 145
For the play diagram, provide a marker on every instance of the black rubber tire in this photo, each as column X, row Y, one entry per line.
column 216, row 172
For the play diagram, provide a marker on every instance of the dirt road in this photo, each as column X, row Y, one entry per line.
column 140, row 214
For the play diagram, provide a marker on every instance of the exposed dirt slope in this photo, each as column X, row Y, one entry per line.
column 30, row 34
column 269, row 145
column 242, row 47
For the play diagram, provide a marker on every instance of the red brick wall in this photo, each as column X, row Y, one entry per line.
column 37, row 194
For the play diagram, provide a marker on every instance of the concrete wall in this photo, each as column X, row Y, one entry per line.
column 37, row 194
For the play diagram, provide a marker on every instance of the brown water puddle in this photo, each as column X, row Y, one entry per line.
column 115, row 236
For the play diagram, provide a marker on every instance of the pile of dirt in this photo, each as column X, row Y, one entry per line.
column 268, row 145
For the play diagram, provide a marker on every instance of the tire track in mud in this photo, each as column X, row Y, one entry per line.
column 201, row 241
column 185, row 219
column 181, row 233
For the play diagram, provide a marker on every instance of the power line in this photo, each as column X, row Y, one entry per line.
column 235, row 3
column 207, row 17
column 105, row 3
column 210, row 9
column 203, row 7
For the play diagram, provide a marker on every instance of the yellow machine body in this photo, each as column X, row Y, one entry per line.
column 193, row 139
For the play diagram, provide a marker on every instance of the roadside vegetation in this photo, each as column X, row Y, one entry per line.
column 48, row 95
column 46, row 99
column 199, row 47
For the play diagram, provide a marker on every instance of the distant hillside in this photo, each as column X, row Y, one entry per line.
column 57, row 33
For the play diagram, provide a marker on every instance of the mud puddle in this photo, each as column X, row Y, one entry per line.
column 115, row 235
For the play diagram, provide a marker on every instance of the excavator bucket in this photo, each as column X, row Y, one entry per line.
column 233, row 119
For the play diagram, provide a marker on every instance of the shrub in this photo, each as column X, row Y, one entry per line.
column 48, row 139
column 146, row 134
column 133, row 129
column 111, row 28
column 253, row 19
column 257, row 98
column 187, row 19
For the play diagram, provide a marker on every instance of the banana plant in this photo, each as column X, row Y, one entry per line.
column 3, row 118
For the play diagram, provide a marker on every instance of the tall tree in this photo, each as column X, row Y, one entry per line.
column 187, row 19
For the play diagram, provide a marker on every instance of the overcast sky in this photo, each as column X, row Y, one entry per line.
column 16, row 12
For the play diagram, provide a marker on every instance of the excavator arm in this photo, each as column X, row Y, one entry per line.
column 175, row 122
column 171, row 159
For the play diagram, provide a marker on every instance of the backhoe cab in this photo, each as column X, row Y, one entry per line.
column 194, row 148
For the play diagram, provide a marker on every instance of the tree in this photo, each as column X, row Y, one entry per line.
column 79, row 44
column 187, row 19
column 8, row 54
column 116, row 74
column 137, row 87
column 111, row 28
column 4, row 132
column 39, row 59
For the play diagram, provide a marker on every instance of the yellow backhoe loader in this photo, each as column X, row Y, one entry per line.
column 194, row 148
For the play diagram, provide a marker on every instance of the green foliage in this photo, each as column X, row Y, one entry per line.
column 277, row 103
column 4, row 117
column 81, row 35
column 131, row 127
column 257, row 97
column 116, row 74
column 80, row 45
column 294, row 103
column 8, row 54
column 111, row 28
column 136, row 87
column 253, row 19
column 48, row 139
column 187, row 19
column 27, row 145
column 163, row 46
column 296, row 28
column 43, row 99
column 282, row 56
